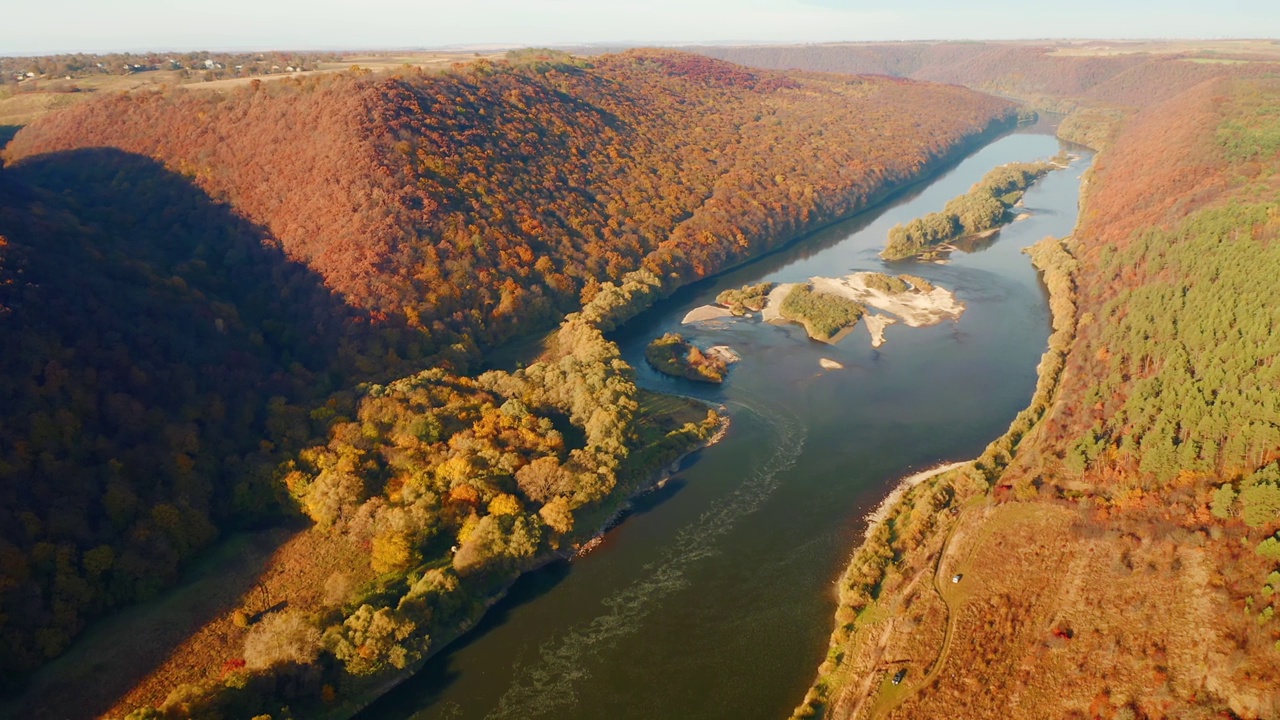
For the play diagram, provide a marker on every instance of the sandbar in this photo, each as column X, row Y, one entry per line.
column 773, row 303
column 724, row 352
column 915, row 308
column 876, row 325
column 706, row 312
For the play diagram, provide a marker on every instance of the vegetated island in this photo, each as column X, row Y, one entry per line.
column 732, row 303
column 824, row 315
column 747, row 299
column 829, row 306
column 978, row 213
column 672, row 355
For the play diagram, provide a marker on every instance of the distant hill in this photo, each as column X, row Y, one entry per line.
column 1053, row 75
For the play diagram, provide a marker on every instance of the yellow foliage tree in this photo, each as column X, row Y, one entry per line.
column 505, row 504
column 392, row 552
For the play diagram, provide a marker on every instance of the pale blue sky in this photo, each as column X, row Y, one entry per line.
column 30, row 26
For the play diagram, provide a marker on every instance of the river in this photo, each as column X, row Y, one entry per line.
column 715, row 597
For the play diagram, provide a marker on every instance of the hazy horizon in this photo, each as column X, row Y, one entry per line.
column 242, row 25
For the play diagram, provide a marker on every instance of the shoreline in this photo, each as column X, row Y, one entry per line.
column 904, row 485
column 1057, row 267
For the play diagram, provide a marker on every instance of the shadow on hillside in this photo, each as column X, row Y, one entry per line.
column 165, row 326
column 6, row 134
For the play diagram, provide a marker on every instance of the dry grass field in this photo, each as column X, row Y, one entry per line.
column 1032, row 628
column 25, row 105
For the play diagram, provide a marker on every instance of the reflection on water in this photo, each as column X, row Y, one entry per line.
column 714, row 599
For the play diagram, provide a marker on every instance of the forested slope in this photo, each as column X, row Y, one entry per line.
column 1119, row 556
column 153, row 342
column 473, row 204
column 233, row 310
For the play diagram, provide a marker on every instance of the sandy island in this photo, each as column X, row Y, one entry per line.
column 915, row 308
column 706, row 312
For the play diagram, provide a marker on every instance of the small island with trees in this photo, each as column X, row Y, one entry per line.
column 672, row 355
column 981, row 210
column 827, row 307
column 747, row 299
column 824, row 315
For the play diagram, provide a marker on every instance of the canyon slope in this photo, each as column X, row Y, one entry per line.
column 258, row 312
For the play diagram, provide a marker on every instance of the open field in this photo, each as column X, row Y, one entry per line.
column 35, row 97
column 1104, row 48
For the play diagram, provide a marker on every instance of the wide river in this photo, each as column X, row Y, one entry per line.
column 715, row 598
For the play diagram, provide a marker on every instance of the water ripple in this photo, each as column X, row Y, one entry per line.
column 549, row 683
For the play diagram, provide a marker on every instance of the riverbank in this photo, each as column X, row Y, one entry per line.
column 914, row 524
column 877, row 517
column 610, row 515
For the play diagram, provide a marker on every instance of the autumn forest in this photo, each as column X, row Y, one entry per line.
column 273, row 304
column 371, row 316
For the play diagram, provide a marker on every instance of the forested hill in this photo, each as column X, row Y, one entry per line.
column 197, row 289
column 475, row 203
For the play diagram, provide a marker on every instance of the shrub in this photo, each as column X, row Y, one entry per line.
column 284, row 637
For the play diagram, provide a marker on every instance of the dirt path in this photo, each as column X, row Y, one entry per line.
column 936, row 666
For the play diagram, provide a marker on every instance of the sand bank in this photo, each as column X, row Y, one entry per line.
column 706, row 312
column 876, row 325
column 724, row 352
column 915, row 308
column 773, row 303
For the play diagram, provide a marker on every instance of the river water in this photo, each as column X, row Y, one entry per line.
column 714, row 599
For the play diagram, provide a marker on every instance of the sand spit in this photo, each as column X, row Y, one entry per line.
column 706, row 312
column 829, row 364
column 876, row 325
column 915, row 308
column 724, row 352
column 904, row 485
